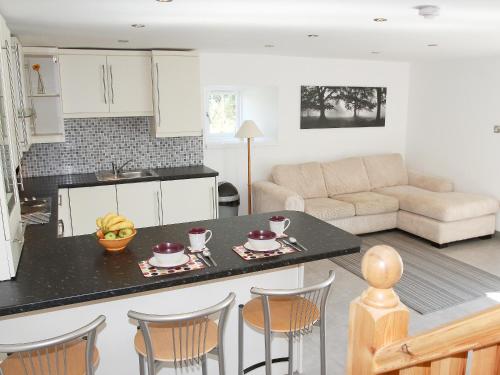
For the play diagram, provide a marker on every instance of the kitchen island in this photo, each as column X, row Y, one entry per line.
column 63, row 283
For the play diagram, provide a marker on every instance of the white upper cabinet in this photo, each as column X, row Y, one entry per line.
column 83, row 84
column 130, row 84
column 106, row 83
column 140, row 202
column 177, row 94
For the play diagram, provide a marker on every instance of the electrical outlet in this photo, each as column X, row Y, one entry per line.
column 496, row 129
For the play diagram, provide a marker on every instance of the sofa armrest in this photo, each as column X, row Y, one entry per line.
column 432, row 183
column 267, row 197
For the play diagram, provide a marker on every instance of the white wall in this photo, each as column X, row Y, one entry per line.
column 453, row 108
column 295, row 145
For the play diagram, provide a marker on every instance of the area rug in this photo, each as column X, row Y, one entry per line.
column 431, row 281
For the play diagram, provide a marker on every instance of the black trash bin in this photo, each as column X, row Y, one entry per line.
column 229, row 199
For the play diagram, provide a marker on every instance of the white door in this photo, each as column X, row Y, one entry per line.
column 130, row 84
column 177, row 95
column 83, row 84
column 188, row 200
column 89, row 203
column 140, row 202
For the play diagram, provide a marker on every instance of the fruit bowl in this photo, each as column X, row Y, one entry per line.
column 117, row 244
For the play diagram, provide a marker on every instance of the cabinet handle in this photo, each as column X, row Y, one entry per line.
column 60, row 225
column 111, row 84
column 158, row 201
column 158, row 93
column 60, row 200
column 212, row 194
column 104, row 84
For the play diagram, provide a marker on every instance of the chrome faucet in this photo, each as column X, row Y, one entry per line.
column 117, row 170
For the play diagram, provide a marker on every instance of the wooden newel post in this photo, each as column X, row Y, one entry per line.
column 377, row 318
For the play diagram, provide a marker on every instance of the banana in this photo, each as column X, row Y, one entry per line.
column 106, row 219
column 121, row 225
column 99, row 222
column 115, row 220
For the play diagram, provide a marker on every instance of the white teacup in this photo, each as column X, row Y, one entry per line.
column 279, row 224
column 198, row 238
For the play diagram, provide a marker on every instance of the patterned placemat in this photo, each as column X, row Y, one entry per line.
column 150, row 271
column 251, row 255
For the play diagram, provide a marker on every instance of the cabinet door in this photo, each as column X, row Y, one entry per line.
column 83, row 84
column 188, row 200
column 177, row 95
column 130, row 85
column 87, row 204
column 63, row 214
column 140, row 202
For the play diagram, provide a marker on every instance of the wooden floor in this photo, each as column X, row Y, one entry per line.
column 484, row 254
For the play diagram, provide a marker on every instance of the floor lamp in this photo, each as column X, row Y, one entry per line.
column 249, row 131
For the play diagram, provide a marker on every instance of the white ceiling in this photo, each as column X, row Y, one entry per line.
column 346, row 29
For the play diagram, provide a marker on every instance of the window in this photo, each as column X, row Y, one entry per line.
column 223, row 113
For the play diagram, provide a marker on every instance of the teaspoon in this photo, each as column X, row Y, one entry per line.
column 208, row 254
column 295, row 242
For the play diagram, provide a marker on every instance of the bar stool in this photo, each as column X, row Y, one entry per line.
column 181, row 339
column 73, row 353
column 292, row 312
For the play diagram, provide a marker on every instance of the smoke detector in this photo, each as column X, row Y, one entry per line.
column 428, row 11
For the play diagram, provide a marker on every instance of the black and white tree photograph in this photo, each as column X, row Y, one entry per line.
column 342, row 107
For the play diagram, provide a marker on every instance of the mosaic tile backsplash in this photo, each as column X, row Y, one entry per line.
column 93, row 143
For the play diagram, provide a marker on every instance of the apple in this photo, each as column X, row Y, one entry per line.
column 110, row 236
column 125, row 233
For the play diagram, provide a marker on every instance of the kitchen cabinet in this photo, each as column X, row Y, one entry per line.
column 189, row 200
column 63, row 214
column 87, row 204
column 106, row 83
column 177, row 94
column 140, row 202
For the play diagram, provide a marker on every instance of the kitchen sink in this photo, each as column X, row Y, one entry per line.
column 125, row 175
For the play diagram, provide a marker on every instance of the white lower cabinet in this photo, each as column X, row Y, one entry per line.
column 189, row 200
column 87, row 204
column 140, row 202
column 63, row 214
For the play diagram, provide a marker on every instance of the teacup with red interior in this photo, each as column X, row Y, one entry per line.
column 198, row 238
column 167, row 253
column 261, row 239
column 279, row 224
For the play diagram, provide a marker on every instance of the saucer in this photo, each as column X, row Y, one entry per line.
column 196, row 251
column 152, row 261
column 275, row 246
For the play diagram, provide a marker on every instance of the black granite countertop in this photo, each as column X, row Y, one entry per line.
column 61, row 271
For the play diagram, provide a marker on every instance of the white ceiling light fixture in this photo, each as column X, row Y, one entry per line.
column 164, row 1
column 380, row 19
column 375, row 52
column 432, row 45
column 138, row 25
column 312, row 35
column 122, row 41
column 269, row 45
column 429, row 12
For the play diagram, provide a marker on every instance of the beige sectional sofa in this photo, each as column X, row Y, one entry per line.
column 374, row 193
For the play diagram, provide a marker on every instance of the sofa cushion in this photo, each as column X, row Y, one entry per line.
column 450, row 206
column 305, row 179
column 345, row 176
column 328, row 209
column 369, row 203
column 386, row 170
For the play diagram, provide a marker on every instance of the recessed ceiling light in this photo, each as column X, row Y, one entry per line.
column 312, row 35
column 432, row 45
column 428, row 11
column 269, row 45
column 164, row 1
column 138, row 25
column 122, row 41
column 380, row 19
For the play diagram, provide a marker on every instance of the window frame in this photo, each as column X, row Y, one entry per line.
column 211, row 138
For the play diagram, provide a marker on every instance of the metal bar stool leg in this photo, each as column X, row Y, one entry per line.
column 204, row 365
column 322, row 337
column 142, row 364
column 240, row 340
column 290, row 353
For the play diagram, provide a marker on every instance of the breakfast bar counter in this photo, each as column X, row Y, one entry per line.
column 69, row 281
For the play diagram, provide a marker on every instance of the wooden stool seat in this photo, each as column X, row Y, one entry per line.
column 163, row 343
column 288, row 314
column 75, row 360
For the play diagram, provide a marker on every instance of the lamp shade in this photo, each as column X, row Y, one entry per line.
column 248, row 130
